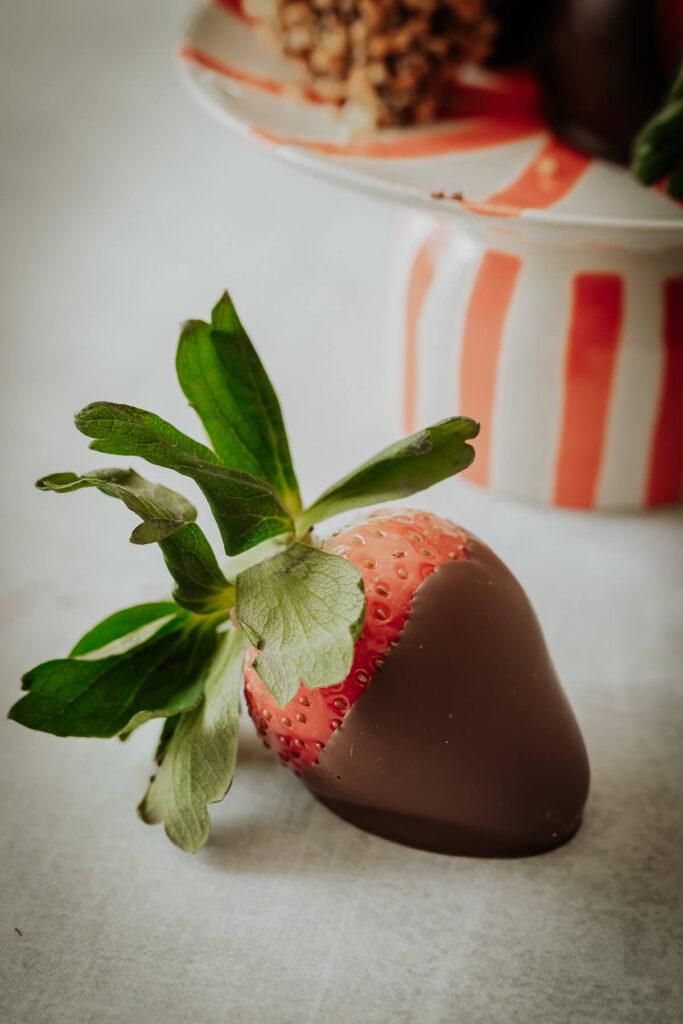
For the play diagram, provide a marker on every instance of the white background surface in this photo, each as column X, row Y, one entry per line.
column 125, row 211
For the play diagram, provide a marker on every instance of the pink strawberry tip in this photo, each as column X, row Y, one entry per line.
column 298, row 737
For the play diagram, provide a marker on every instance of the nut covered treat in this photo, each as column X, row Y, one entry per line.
column 385, row 60
column 607, row 75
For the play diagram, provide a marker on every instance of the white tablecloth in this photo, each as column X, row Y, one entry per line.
column 125, row 211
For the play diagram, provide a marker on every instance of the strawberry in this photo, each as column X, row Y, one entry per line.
column 320, row 619
column 394, row 552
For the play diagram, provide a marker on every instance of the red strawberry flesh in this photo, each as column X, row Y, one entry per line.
column 394, row 554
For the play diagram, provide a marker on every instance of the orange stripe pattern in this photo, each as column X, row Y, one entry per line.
column 548, row 178
column 421, row 277
column 480, row 133
column 482, row 336
column 269, row 85
column 592, row 343
column 666, row 468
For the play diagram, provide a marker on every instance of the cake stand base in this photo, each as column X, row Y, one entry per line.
column 570, row 356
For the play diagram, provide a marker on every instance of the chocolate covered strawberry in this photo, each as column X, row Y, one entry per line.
column 371, row 659
column 394, row 552
column 451, row 731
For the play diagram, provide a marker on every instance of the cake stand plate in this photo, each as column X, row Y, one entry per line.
column 499, row 157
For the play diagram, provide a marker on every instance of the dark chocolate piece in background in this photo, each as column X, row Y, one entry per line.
column 601, row 73
column 670, row 32
column 464, row 742
column 520, row 26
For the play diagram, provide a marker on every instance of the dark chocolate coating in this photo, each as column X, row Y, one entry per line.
column 601, row 72
column 464, row 741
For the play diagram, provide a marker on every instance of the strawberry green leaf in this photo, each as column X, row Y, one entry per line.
column 168, row 521
column 200, row 584
column 246, row 510
column 147, row 500
column 224, row 380
column 124, row 626
column 248, row 558
column 410, row 465
column 303, row 609
column 167, row 729
column 154, row 531
column 198, row 751
column 98, row 695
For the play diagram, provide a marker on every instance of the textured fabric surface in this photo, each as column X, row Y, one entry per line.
column 126, row 211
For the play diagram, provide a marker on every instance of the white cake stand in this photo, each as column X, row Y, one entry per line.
column 533, row 288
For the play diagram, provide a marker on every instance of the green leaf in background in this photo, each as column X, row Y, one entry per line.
column 163, row 674
column 410, row 465
column 125, row 626
column 658, row 149
column 246, row 510
column 167, row 521
column 225, row 382
column 197, row 755
column 304, row 610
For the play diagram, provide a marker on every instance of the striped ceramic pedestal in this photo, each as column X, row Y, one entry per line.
column 571, row 358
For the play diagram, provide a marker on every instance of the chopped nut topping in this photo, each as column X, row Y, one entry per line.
column 388, row 58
